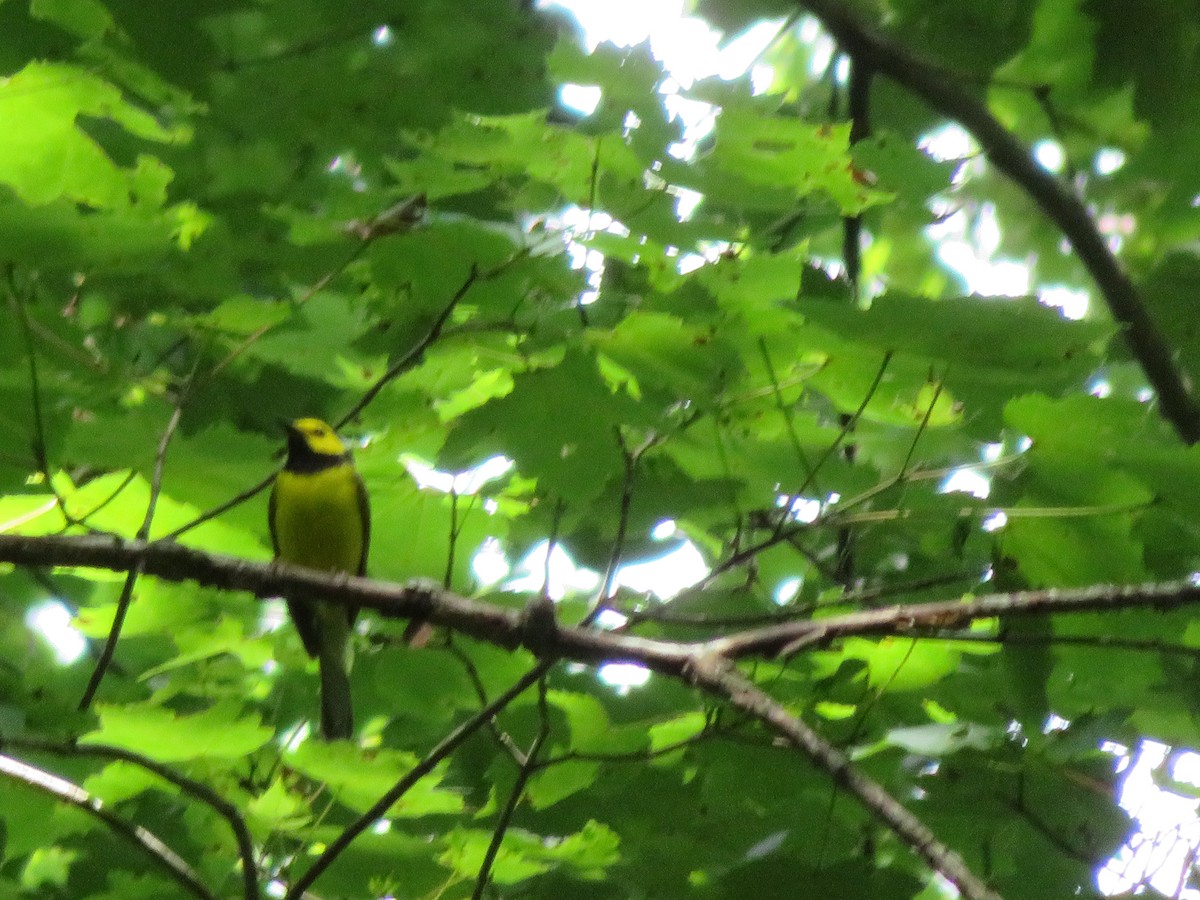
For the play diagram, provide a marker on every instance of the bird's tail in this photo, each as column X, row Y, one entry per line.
column 337, row 709
column 337, row 714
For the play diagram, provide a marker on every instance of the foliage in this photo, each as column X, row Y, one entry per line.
column 209, row 219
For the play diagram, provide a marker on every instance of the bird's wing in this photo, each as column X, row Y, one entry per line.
column 364, row 515
column 271, row 518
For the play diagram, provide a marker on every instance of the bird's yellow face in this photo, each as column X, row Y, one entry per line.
column 320, row 438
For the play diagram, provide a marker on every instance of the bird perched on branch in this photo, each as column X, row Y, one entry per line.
column 320, row 518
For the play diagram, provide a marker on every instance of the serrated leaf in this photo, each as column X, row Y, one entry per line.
column 276, row 808
column 559, row 781
column 342, row 768
column 219, row 732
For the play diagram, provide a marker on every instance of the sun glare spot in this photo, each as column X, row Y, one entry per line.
column 1050, row 155
column 624, row 676
column 966, row 481
column 52, row 621
column 583, row 98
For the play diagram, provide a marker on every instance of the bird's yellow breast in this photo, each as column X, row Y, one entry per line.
column 317, row 519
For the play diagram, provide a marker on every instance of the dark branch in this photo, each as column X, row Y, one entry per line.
column 717, row 676
column 448, row 745
column 514, row 796
column 67, row 792
column 507, row 628
column 189, row 786
column 707, row 664
column 868, row 46
column 143, row 532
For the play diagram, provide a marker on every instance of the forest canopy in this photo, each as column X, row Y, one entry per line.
column 792, row 462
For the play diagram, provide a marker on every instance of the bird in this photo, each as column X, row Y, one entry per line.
column 319, row 514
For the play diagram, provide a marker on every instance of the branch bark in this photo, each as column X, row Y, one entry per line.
column 510, row 628
column 867, row 45
column 707, row 664
column 67, row 792
column 717, row 675
column 189, row 786
column 445, row 747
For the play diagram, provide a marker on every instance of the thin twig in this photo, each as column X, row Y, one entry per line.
column 237, row 500
column 912, row 448
column 1097, row 641
column 262, row 330
column 514, row 796
column 406, row 362
column 580, row 308
column 126, row 598
column 445, row 747
column 719, row 678
column 631, row 458
column 781, row 532
column 197, row 789
column 662, row 615
column 858, row 100
column 502, row 738
column 67, row 792
column 116, row 492
column 38, row 443
column 455, row 530
column 810, row 476
column 417, row 352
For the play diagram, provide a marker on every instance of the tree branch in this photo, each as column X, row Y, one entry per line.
column 514, row 796
column 707, row 664
column 197, row 789
column 143, row 532
column 508, row 628
column 67, row 792
column 1154, row 353
column 448, row 745
column 717, row 676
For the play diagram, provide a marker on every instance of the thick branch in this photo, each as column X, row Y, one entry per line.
column 707, row 664
column 717, row 675
column 1007, row 153
column 509, row 628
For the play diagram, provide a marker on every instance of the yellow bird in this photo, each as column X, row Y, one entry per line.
column 320, row 518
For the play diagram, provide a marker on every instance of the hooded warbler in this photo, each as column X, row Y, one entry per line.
column 320, row 518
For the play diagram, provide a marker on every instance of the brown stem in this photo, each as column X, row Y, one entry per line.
column 869, row 46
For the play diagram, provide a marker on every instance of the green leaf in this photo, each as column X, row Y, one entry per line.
column 48, row 156
column 663, row 356
column 559, row 781
column 86, row 18
column 122, row 780
column 219, row 732
column 569, row 455
column 358, row 785
column 48, row 868
column 681, row 728
column 903, row 664
column 276, row 808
